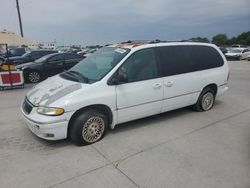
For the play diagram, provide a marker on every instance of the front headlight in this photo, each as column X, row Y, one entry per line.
column 50, row 111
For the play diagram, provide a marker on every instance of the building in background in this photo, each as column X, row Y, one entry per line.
column 10, row 38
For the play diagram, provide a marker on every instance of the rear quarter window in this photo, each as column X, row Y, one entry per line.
column 187, row 58
column 206, row 57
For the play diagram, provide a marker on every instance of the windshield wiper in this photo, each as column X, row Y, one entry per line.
column 80, row 76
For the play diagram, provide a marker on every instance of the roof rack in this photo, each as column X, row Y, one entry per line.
column 165, row 41
column 154, row 41
column 135, row 41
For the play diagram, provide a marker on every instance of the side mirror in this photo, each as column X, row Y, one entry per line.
column 120, row 77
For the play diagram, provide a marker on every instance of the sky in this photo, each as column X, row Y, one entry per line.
column 88, row 22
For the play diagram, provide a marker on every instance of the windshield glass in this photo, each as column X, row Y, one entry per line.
column 95, row 66
column 236, row 50
column 26, row 54
column 44, row 58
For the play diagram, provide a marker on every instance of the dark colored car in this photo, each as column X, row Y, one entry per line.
column 48, row 65
column 14, row 51
column 29, row 56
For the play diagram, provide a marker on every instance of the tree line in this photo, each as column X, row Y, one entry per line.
column 224, row 40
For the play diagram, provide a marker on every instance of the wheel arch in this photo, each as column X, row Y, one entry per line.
column 213, row 86
column 102, row 108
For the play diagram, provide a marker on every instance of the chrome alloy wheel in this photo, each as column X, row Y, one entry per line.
column 93, row 129
column 34, row 77
column 207, row 101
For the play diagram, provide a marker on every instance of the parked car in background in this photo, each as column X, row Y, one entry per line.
column 237, row 53
column 29, row 56
column 14, row 51
column 48, row 65
column 223, row 50
column 86, row 52
column 238, row 46
column 19, row 51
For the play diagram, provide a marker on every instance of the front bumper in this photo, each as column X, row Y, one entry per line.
column 222, row 89
column 52, row 131
column 47, row 127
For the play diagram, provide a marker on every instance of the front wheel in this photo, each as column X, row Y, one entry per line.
column 88, row 128
column 34, row 77
column 205, row 101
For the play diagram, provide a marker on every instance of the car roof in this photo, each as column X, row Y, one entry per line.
column 42, row 50
column 148, row 43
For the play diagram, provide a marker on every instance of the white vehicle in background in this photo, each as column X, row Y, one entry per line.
column 237, row 53
column 238, row 46
column 124, row 82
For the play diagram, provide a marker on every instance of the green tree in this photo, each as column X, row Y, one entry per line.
column 220, row 39
column 243, row 38
column 248, row 40
column 200, row 39
column 232, row 41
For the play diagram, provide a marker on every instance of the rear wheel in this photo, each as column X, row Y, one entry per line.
column 89, row 127
column 34, row 77
column 205, row 101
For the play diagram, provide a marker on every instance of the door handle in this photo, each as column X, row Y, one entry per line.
column 157, row 85
column 169, row 83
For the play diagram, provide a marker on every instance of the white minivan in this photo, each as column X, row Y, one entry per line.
column 124, row 82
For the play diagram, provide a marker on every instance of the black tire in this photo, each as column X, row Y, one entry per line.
column 33, row 76
column 199, row 106
column 82, row 127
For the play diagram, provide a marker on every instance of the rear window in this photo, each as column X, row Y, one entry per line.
column 187, row 58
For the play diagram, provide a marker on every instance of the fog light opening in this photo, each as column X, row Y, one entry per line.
column 49, row 135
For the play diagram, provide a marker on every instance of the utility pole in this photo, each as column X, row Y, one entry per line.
column 19, row 18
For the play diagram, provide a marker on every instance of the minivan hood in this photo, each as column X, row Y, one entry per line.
column 51, row 90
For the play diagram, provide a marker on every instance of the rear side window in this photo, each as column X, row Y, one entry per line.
column 71, row 56
column 175, row 59
column 206, row 57
column 43, row 53
column 35, row 54
column 56, row 58
column 183, row 59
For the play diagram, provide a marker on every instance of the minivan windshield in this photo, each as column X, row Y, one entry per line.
column 95, row 66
